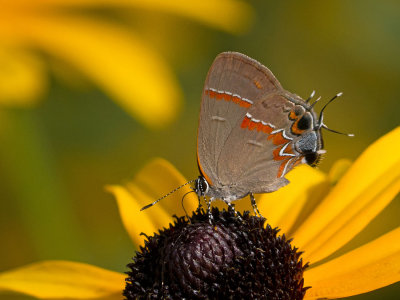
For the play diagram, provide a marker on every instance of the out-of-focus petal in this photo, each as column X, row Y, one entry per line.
column 370, row 267
column 62, row 279
column 156, row 179
column 22, row 78
column 134, row 75
column 338, row 169
column 283, row 207
column 229, row 15
column 364, row 191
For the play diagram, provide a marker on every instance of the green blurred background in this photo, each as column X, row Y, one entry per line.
column 56, row 156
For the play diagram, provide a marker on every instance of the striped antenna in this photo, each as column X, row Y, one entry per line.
column 171, row 192
column 321, row 118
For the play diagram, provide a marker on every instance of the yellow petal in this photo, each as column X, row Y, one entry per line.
column 230, row 15
column 22, row 78
column 338, row 169
column 354, row 219
column 368, row 186
column 135, row 221
column 283, row 207
column 131, row 72
column 62, row 279
column 156, row 179
column 370, row 267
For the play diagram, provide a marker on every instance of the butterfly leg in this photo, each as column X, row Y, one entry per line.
column 254, row 204
column 210, row 216
column 232, row 207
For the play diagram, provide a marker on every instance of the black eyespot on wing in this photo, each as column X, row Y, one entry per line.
column 312, row 158
column 305, row 122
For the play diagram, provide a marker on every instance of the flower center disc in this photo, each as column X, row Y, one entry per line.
column 232, row 258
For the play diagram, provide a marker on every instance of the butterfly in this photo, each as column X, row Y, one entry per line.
column 251, row 132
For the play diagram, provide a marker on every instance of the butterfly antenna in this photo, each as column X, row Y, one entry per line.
column 321, row 114
column 321, row 118
column 311, row 96
column 171, row 192
column 334, row 131
column 315, row 102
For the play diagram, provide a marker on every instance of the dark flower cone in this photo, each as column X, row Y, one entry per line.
column 231, row 259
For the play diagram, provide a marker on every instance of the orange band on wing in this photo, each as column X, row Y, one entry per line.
column 245, row 122
column 251, row 123
column 243, row 103
column 236, row 100
column 228, row 96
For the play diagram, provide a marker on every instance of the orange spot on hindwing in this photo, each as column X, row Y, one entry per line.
column 278, row 138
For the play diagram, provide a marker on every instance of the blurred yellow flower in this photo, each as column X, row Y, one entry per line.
column 321, row 218
column 125, row 66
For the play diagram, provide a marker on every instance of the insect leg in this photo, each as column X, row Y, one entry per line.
column 254, row 204
column 232, row 207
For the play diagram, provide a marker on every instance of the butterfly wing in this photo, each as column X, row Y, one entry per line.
column 234, row 84
column 259, row 150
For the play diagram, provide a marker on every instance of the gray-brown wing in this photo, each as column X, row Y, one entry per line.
column 259, row 150
column 234, row 84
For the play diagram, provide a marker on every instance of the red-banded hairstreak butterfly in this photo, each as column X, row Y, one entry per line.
column 251, row 132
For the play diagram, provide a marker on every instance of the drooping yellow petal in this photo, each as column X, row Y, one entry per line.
column 283, row 207
column 62, row 279
column 156, row 179
column 22, row 78
column 131, row 72
column 135, row 221
column 229, row 15
column 367, row 187
column 370, row 267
